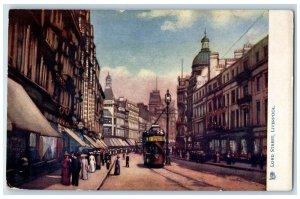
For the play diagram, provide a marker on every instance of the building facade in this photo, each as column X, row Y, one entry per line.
column 133, row 120
column 45, row 64
column 230, row 110
column 109, row 108
column 93, row 95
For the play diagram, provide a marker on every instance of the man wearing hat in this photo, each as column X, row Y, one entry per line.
column 65, row 169
column 75, row 169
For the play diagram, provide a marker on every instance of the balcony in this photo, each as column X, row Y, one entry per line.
column 245, row 75
column 245, row 99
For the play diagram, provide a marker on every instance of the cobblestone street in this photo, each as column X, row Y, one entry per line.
column 181, row 175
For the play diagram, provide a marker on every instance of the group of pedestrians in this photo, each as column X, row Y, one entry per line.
column 77, row 166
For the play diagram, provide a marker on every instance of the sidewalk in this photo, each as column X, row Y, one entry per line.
column 236, row 165
column 52, row 181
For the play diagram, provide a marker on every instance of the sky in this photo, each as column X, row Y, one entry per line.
column 135, row 46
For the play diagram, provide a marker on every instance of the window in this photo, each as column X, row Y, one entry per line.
column 232, row 119
column 258, row 84
column 246, row 64
column 246, row 117
column 209, row 107
column 228, row 99
column 257, row 56
column 266, row 51
column 245, row 88
column 258, row 112
column 232, row 73
column 237, row 118
column 227, row 76
column 233, row 97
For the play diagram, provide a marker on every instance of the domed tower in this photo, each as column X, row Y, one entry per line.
column 202, row 60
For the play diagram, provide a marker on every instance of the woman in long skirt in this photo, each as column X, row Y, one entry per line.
column 117, row 166
column 92, row 163
column 84, row 167
column 65, row 170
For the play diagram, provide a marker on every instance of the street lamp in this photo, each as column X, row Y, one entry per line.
column 168, row 101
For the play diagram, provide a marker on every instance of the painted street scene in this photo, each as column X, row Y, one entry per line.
column 137, row 100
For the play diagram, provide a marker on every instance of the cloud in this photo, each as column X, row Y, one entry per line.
column 137, row 87
column 225, row 17
column 177, row 19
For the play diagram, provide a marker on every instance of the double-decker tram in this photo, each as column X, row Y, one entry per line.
column 153, row 147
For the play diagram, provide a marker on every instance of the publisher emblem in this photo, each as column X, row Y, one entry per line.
column 272, row 175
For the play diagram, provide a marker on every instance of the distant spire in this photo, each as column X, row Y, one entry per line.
column 181, row 68
column 156, row 84
column 205, row 32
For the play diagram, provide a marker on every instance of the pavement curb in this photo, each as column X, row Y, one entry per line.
column 106, row 176
column 226, row 166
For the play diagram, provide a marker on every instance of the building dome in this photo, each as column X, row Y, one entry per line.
column 201, row 59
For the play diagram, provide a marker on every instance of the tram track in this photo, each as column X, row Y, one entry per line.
column 184, row 181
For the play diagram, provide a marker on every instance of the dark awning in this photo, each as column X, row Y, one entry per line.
column 24, row 114
column 76, row 137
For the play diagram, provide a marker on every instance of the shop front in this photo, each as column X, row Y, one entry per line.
column 32, row 144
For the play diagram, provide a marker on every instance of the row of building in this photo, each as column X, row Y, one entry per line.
column 124, row 119
column 222, row 105
column 55, row 100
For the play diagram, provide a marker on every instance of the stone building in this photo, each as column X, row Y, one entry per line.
column 45, row 71
column 230, row 110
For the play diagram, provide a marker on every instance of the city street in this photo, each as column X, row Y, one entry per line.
column 181, row 175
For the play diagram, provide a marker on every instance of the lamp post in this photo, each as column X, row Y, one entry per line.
column 168, row 101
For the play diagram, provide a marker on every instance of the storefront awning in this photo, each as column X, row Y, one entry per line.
column 109, row 142
column 24, row 114
column 76, row 137
column 131, row 142
column 93, row 142
column 101, row 144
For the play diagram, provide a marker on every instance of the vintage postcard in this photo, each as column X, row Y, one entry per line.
column 139, row 100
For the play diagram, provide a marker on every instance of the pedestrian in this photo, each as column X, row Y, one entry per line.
column 261, row 160
column 24, row 167
column 102, row 157
column 65, row 170
column 108, row 163
column 215, row 157
column 233, row 158
column 75, row 169
column 228, row 158
column 123, row 156
column 92, row 166
column 117, row 166
column 187, row 155
column 218, row 157
column 84, row 167
column 127, row 160
column 98, row 160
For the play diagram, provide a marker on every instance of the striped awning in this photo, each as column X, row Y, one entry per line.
column 93, row 142
column 131, row 142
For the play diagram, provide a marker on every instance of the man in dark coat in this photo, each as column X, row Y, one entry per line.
column 98, row 160
column 127, row 160
column 75, row 169
column 102, row 158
